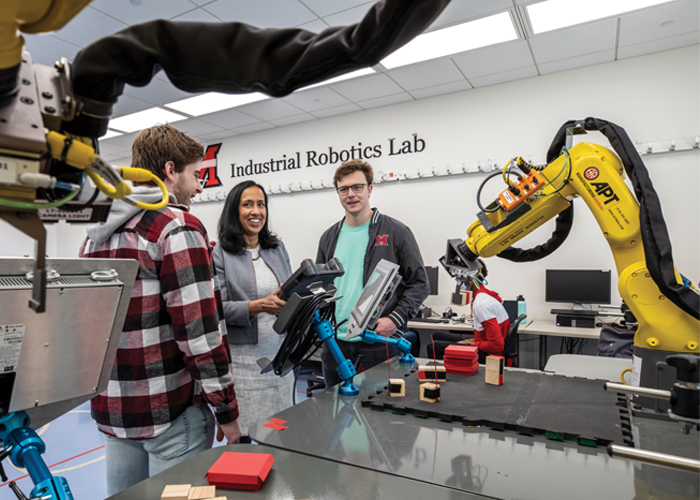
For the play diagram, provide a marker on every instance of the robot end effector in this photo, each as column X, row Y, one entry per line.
column 460, row 262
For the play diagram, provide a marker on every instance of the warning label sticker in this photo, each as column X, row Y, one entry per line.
column 11, row 337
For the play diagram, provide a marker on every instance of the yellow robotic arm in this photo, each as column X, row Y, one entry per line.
column 664, row 304
column 31, row 16
column 596, row 175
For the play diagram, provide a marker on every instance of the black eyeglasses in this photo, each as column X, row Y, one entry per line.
column 357, row 188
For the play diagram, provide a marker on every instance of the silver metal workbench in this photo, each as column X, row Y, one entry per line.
column 499, row 464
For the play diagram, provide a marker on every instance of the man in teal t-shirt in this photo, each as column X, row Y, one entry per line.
column 360, row 241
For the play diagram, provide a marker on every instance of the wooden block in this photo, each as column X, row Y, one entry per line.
column 494, row 378
column 397, row 387
column 176, row 492
column 496, row 363
column 429, row 392
column 495, row 366
column 202, row 492
column 428, row 372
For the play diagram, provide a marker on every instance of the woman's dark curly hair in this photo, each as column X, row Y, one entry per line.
column 231, row 234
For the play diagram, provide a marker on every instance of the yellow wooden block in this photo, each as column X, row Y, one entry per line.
column 176, row 492
column 430, row 389
column 202, row 493
column 397, row 387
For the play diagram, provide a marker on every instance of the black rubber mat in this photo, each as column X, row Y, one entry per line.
column 532, row 403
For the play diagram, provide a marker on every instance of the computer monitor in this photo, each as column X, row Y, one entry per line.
column 432, row 279
column 580, row 286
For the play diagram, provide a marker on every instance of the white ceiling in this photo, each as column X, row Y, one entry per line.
column 656, row 29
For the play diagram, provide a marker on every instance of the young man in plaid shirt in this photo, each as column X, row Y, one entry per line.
column 173, row 356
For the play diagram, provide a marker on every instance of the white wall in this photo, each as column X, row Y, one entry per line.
column 653, row 97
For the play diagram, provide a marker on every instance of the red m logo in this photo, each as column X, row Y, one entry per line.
column 208, row 176
column 381, row 240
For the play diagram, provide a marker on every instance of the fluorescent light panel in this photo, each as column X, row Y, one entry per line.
column 213, row 101
column 110, row 133
column 144, row 119
column 555, row 14
column 453, row 40
column 346, row 76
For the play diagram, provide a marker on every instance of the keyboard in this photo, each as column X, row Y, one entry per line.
column 431, row 320
column 576, row 312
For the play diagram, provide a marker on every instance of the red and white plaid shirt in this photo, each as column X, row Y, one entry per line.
column 173, row 348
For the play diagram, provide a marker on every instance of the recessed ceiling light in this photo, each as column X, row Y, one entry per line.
column 453, row 40
column 110, row 133
column 212, row 102
column 346, row 76
column 144, row 119
column 554, row 14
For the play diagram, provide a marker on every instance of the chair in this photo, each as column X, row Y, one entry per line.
column 511, row 348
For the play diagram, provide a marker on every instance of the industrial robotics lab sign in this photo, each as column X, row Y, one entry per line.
column 331, row 155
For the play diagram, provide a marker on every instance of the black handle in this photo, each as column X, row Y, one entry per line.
column 686, row 366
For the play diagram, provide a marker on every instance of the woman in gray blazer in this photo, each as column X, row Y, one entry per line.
column 252, row 263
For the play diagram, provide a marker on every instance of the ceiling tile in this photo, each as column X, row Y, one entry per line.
column 129, row 13
column 217, row 136
column 505, row 76
column 262, row 13
column 458, row 12
column 157, row 91
column 441, row 89
column 196, row 127
column 46, row 49
column 123, row 141
column 385, row 101
column 577, row 62
column 316, row 98
column 89, row 26
column 316, row 26
column 229, row 119
column 291, row 120
column 674, row 42
column 113, row 150
column 127, row 105
column 574, row 41
column 366, row 87
column 197, row 16
column 118, row 159
column 324, row 8
column 426, row 74
column 338, row 110
column 269, row 109
column 350, row 16
column 494, row 59
column 664, row 21
column 256, row 127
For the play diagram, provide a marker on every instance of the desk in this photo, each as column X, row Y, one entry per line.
column 293, row 476
column 422, row 328
column 498, row 464
column 453, row 327
column 579, row 365
column 550, row 329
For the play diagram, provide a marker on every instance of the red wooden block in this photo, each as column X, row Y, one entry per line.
column 240, row 471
